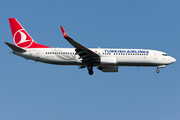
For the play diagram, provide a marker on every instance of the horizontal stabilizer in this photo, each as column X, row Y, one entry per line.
column 15, row 48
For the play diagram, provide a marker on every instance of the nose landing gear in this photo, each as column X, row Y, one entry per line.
column 160, row 66
column 157, row 71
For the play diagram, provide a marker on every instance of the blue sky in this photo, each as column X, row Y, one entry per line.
column 32, row 90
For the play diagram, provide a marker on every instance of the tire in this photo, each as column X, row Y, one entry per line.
column 157, row 71
column 90, row 72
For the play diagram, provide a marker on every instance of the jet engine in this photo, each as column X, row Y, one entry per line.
column 109, row 69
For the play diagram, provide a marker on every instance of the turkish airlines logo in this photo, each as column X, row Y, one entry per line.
column 22, row 39
column 65, row 34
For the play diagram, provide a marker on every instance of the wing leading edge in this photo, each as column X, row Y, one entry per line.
column 84, row 53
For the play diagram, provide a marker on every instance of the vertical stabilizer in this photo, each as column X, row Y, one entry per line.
column 21, row 38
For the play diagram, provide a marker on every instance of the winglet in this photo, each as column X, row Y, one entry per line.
column 65, row 35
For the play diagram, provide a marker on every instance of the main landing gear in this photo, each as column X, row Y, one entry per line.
column 90, row 69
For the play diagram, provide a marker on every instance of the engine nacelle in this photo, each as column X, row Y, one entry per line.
column 108, row 60
column 109, row 69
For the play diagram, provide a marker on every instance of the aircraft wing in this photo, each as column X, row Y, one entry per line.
column 84, row 53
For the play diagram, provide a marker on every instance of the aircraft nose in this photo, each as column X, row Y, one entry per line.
column 173, row 60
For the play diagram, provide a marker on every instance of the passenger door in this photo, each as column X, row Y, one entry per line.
column 155, row 55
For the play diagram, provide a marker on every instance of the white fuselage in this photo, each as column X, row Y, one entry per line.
column 114, row 57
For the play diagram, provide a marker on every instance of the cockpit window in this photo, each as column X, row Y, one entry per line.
column 165, row 54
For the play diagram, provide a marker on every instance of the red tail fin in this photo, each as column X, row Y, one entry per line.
column 21, row 37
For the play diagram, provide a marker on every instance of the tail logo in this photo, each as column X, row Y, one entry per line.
column 22, row 39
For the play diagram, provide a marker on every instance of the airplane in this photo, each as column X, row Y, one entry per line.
column 106, row 59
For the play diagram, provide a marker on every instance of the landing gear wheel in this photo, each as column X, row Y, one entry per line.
column 90, row 68
column 157, row 71
column 90, row 72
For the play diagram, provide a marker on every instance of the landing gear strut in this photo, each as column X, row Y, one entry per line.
column 90, row 67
